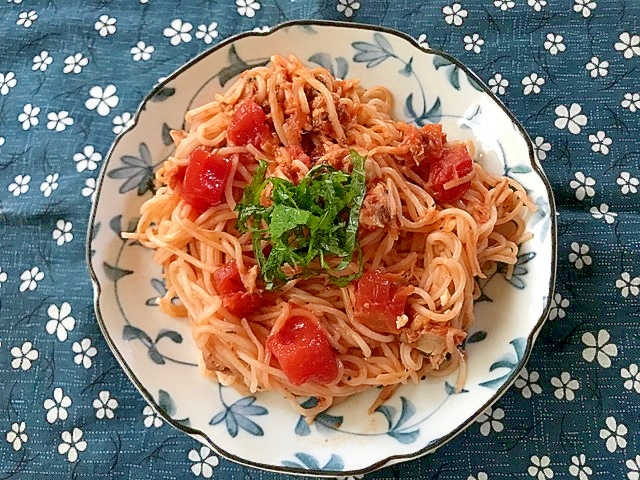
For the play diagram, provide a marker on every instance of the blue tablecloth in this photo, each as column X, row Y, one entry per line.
column 72, row 73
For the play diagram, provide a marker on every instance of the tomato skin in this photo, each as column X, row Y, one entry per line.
column 303, row 351
column 227, row 279
column 205, row 179
column 380, row 300
column 454, row 163
column 234, row 296
column 248, row 125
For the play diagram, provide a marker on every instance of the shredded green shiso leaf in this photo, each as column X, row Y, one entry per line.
column 316, row 219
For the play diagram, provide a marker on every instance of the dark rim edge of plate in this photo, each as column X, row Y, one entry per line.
column 392, row 459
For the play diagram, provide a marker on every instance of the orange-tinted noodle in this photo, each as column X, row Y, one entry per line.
column 438, row 249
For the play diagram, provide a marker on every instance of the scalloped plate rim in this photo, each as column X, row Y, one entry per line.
column 391, row 459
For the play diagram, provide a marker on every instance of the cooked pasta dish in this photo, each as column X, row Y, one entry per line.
column 317, row 246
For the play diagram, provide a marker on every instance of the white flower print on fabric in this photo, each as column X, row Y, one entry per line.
column 105, row 25
column 72, row 443
column 628, row 184
column 554, row 44
column 584, row 7
column 504, row 4
column 602, row 213
column 629, row 44
column 102, row 100
column 20, row 185
column 631, row 377
column 532, row 83
column 527, row 383
column 122, row 122
column 541, row 147
column 565, row 386
column 204, row 461
column 41, row 61
column 633, row 465
column 17, row 436
column 89, row 188
column 62, row 232
column 346, row 7
column 87, row 159
column 422, row 40
column 178, row 32
column 7, row 82
column 571, row 118
column 489, row 420
column 56, row 407
column 600, row 142
column 26, row 19
column 207, row 33
column 263, row 29
column 480, row 476
column 473, row 42
column 105, row 404
column 85, row 352
column 29, row 116
column 61, row 322
column 151, row 418
column 24, row 356
column 614, row 434
column 75, row 63
column 583, row 186
column 628, row 285
column 1, row 141
column 558, row 306
column 597, row 68
column 141, row 51
column 3, row 277
column 50, row 184
column 30, row 279
column 537, row 5
column 59, row 121
column 454, row 14
column 599, row 348
column 631, row 102
column 579, row 255
column 498, row 84
column 579, row 467
column 540, row 468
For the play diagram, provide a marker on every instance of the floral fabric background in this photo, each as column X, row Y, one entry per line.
column 72, row 74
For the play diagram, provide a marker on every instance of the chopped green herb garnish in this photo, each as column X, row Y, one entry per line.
column 314, row 220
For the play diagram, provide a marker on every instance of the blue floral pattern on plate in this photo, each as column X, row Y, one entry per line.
column 158, row 352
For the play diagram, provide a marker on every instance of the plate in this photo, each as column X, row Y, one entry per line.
column 157, row 352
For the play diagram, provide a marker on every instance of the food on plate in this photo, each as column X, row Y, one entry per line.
column 319, row 247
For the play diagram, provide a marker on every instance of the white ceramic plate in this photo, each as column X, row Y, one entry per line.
column 158, row 353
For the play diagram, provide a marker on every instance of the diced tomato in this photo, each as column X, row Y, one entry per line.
column 380, row 300
column 297, row 153
column 227, row 279
column 205, row 179
column 242, row 304
column 234, row 296
column 248, row 125
column 303, row 351
column 455, row 163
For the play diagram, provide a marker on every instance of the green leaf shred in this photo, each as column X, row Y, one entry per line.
column 315, row 220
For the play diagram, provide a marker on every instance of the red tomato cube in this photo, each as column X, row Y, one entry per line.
column 303, row 351
column 205, row 179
